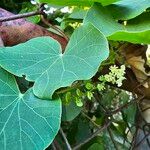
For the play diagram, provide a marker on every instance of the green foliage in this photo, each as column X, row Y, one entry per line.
column 71, row 88
column 135, row 30
column 77, row 2
column 26, row 121
column 86, row 50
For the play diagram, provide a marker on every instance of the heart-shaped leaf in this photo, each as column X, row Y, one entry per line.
column 26, row 122
column 137, row 30
column 41, row 60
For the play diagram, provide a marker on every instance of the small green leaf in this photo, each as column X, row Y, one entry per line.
column 89, row 95
column 78, row 101
column 101, row 86
column 68, row 97
column 137, row 30
column 79, row 93
column 26, row 122
column 41, row 60
column 89, row 86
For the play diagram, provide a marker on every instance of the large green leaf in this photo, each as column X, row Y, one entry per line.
column 78, row 2
column 26, row 122
column 41, row 60
column 127, row 9
column 137, row 30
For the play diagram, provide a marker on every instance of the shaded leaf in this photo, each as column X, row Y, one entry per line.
column 96, row 146
column 26, row 122
column 137, row 30
column 69, row 112
column 41, row 60
column 128, row 9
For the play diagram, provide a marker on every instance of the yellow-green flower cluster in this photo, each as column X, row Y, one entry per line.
column 115, row 76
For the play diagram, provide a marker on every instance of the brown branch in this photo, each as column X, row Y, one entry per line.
column 19, row 16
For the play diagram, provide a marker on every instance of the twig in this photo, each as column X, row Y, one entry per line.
column 106, row 125
column 145, row 137
column 65, row 139
column 147, row 125
column 53, row 146
column 145, row 109
column 19, row 16
column 85, row 115
column 55, row 28
column 57, row 145
column 126, row 105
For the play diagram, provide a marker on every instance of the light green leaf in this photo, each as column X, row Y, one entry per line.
column 26, row 122
column 78, row 13
column 137, row 30
column 41, row 60
column 128, row 9
column 77, row 2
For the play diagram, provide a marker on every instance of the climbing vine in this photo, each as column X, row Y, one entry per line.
column 74, row 74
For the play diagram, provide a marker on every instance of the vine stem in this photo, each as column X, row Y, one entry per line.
column 55, row 28
column 85, row 115
column 19, row 16
column 65, row 139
